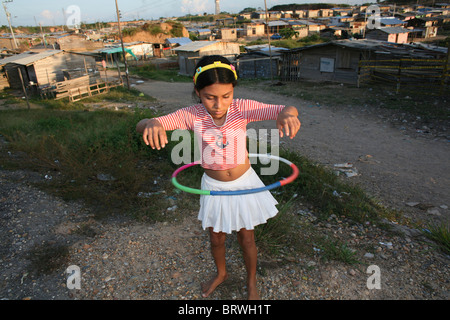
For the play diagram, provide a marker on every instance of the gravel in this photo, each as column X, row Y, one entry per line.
column 121, row 258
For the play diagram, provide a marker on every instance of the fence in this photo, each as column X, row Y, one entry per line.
column 81, row 88
column 429, row 76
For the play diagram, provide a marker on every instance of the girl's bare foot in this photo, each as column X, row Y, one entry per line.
column 252, row 293
column 211, row 285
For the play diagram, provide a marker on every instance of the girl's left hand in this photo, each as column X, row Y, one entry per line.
column 288, row 120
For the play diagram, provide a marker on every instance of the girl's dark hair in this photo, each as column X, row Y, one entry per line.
column 215, row 75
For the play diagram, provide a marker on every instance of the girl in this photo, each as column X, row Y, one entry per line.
column 219, row 122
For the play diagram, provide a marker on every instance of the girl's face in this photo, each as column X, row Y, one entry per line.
column 217, row 98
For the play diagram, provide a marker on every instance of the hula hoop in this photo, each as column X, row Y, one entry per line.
column 277, row 184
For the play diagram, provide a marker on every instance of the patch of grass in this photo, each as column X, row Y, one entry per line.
column 117, row 94
column 152, row 72
column 440, row 234
column 47, row 258
column 276, row 233
column 337, row 251
column 75, row 147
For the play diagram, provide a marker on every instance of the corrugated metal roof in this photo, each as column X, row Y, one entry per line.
column 277, row 23
column 392, row 30
column 391, row 21
column 181, row 41
column 29, row 57
column 195, row 46
column 413, row 50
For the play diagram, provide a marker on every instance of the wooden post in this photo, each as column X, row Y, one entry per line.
column 399, row 75
column 23, row 86
column 445, row 69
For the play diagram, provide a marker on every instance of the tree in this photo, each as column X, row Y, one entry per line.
column 248, row 10
column 288, row 33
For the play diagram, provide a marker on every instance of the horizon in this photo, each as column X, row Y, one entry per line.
column 54, row 13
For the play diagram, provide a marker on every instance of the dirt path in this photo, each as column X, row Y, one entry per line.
column 397, row 169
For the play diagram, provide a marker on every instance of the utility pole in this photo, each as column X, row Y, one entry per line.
column 123, row 48
column 42, row 33
column 8, row 16
column 268, row 38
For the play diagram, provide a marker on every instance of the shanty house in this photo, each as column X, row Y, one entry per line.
column 190, row 54
column 251, row 30
column 259, row 62
column 340, row 60
column 46, row 67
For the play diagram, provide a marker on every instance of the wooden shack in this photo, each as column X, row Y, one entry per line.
column 46, row 67
column 259, row 62
column 330, row 61
column 190, row 54
column 343, row 60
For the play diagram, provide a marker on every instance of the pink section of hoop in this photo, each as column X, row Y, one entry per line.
column 174, row 174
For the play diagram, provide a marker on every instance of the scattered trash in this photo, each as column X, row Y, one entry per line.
column 367, row 159
column 48, row 177
column 140, row 81
column 336, row 194
column 172, row 208
column 339, row 195
column 149, row 194
column 346, row 168
column 369, row 255
column 434, row 211
column 387, row 244
column 412, row 204
column 422, row 206
column 105, row 177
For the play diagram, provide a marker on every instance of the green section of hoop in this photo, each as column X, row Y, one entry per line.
column 187, row 189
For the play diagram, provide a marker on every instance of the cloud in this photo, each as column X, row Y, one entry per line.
column 47, row 14
column 194, row 6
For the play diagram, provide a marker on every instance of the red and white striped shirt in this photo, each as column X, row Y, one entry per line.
column 222, row 147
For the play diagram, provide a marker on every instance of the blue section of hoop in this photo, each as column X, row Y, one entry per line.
column 240, row 192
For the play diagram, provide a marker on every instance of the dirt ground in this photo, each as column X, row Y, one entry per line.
column 402, row 170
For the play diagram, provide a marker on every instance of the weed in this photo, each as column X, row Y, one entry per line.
column 336, row 250
column 46, row 258
column 440, row 234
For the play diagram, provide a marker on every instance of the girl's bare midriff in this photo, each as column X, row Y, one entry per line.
column 229, row 174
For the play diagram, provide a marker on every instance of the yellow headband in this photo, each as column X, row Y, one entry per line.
column 216, row 64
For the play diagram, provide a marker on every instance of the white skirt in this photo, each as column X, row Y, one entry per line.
column 232, row 213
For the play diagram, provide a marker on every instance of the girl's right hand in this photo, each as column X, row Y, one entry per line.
column 154, row 134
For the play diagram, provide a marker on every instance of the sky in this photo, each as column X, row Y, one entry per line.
column 58, row 12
